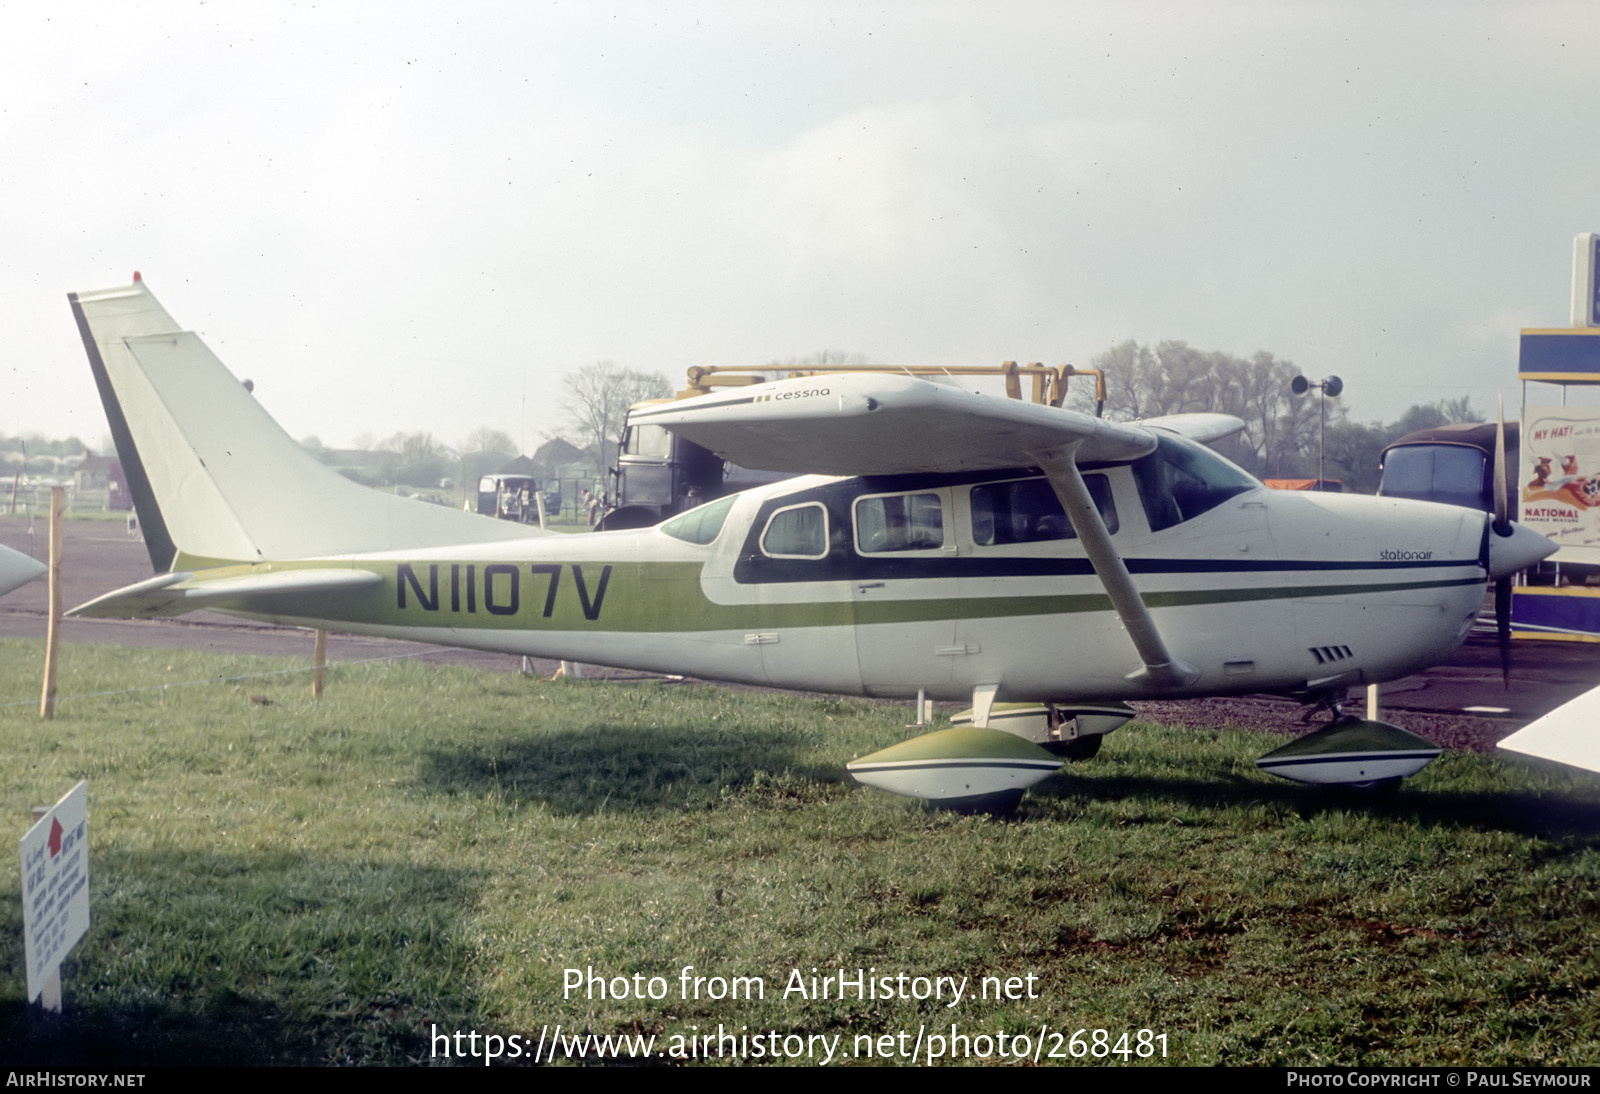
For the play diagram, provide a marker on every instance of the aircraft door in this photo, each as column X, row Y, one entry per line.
column 1024, row 578
column 793, row 575
column 904, row 591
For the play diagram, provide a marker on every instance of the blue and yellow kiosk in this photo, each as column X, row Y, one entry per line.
column 1559, row 467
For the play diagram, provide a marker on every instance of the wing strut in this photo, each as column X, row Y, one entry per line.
column 1060, row 465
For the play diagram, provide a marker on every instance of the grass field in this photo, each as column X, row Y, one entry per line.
column 429, row 849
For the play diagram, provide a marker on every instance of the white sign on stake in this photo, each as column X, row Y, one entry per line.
column 55, row 891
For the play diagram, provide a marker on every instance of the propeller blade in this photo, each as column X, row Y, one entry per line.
column 1502, row 626
column 1502, row 505
column 1502, row 527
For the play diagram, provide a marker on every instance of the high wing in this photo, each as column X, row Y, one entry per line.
column 879, row 423
column 861, row 424
column 873, row 424
column 1204, row 428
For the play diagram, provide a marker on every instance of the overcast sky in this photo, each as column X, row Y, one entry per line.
column 419, row 216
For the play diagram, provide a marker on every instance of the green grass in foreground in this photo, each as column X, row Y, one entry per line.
column 324, row 882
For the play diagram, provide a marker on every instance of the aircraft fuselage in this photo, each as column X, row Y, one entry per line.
column 946, row 582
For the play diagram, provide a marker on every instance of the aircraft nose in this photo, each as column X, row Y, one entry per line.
column 1517, row 551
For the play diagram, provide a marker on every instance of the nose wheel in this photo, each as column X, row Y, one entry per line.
column 1076, row 750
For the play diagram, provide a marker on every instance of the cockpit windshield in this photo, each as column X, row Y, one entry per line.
column 1182, row 479
column 701, row 524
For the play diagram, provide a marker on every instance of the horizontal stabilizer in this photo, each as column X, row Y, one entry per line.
column 175, row 594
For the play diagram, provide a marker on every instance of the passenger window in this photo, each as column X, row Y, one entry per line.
column 1028, row 511
column 797, row 532
column 903, row 522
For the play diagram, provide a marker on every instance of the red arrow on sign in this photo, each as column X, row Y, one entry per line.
column 55, row 837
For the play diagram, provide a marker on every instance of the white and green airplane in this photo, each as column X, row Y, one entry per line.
column 976, row 548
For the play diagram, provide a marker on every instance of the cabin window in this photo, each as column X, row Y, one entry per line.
column 701, row 524
column 1028, row 511
column 801, row 531
column 1181, row 479
column 901, row 522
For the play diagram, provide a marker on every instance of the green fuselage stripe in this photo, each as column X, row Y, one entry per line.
column 667, row 596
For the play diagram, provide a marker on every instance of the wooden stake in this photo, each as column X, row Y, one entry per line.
column 319, row 661
column 50, row 994
column 47, row 701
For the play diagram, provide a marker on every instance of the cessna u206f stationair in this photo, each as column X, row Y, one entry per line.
column 978, row 548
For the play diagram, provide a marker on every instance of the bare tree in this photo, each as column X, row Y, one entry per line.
column 1283, row 432
column 419, row 460
column 1175, row 378
column 1434, row 415
column 598, row 398
column 483, row 451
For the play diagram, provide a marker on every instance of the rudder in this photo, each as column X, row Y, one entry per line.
column 214, row 478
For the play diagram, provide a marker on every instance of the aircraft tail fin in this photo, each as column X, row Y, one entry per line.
column 214, row 478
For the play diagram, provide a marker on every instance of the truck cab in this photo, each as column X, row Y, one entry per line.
column 658, row 475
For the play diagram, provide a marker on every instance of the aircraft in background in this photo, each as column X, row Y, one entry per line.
column 972, row 547
column 17, row 569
